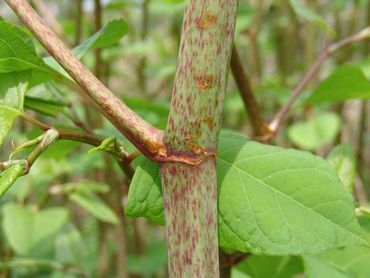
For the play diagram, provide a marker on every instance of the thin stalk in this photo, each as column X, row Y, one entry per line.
column 281, row 116
column 190, row 192
column 78, row 20
column 144, row 33
column 144, row 136
column 259, row 125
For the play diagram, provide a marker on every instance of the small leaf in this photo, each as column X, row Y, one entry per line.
column 27, row 230
column 348, row 262
column 91, row 203
column 43, row 106
column 8, row 177
column 346, row 82
column 145, row 194
column 342, row 157
column 308, row 14
column 13, row 87
column 109, row 35
column 7, row 117
column 316, row 132
column 108, row 144
column 272, row 200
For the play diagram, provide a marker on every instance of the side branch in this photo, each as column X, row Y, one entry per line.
column 259, row 125
column 281, row 116
column 144, row 136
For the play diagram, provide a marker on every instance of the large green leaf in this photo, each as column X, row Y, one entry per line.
column 8, row 177
column 348, row 262
column 342, row 157
column 346, row 82
column 91, row 203
column 26, row 229
column 271, row 200
column 316, row 132
column 302, row 10
column 17, row 52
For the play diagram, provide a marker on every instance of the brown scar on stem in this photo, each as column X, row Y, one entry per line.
column 208, row 121
column 195, row 148
column 206, row 21
column 204, row 82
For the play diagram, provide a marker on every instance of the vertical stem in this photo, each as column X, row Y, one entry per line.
column 78, row 20
column 190, row 192
column 143, row 59
column 98, row 24
column 259, row 126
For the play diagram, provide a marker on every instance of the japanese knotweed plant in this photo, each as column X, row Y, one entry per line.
column 211, row 189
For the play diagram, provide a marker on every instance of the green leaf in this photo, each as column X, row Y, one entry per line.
column 109, row 35
column 271, row 266
column 43, row 106
column 318, row 131
column 26, row 229
column 8, row 177
column 13, row 87
column 17, row 52
column 272, row 200
column 108, row 144
column 302, row 10
column 346, row 82
column 91, row 203
column 342, row 157
column 351, row 261
column 145, row 194
column 7, row 117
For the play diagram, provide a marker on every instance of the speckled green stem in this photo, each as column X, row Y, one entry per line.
column 145, row 137
column 190, row 192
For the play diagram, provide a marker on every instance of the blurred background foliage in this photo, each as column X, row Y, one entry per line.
column 66, row 218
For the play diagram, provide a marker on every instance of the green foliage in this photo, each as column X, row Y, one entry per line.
column 43, row 106
column 348, row 262
column 267, row 197
column 13, row 87
column 271, row 267
column 107, row 36
column 108, row 144
column 7, row 117
column 346, row 82
column 308, row 14
column 27, row 229
column 318, row 131
column 17, row 52
column 92, row 204
column 342, row 157
column 145, row 194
